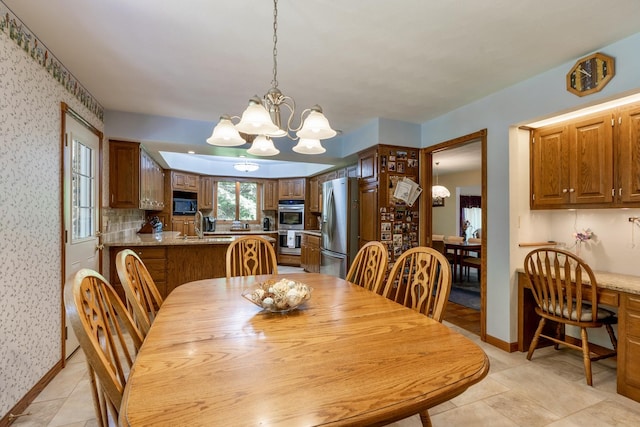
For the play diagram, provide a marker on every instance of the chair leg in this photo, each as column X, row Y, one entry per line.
column 556, row 345
column 586, row 356
column 536, row 337
column 612, row 336
column 424, row 418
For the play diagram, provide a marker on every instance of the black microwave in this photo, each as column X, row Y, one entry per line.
column 185, row 206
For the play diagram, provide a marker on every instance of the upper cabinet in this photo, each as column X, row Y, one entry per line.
column 314, row 190
column 291, row 189
column 590, row 162
column 205, row 195
column 183, row 181
column 270, row 195
column 136, row 181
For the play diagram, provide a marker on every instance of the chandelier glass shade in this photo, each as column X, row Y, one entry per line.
column 263, row 146
column 263, row 118
column 246, row 166
column 437, row 190
column 309, row 146
column 225, row 134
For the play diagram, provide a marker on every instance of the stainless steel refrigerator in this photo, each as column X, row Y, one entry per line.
column 340, row 212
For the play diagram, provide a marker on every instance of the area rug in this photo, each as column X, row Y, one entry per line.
column 466, row 297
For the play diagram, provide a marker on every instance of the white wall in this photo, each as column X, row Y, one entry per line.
column 508, row 216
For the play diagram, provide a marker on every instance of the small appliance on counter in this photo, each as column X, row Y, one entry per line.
column 208, row 224
column 266, row 224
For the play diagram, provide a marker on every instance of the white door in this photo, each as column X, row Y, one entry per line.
column 81, row 184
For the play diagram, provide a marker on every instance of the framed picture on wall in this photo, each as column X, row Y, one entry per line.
column 437, row 202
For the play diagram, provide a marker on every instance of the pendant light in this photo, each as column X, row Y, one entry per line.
column 263, row 117
column 439, row 190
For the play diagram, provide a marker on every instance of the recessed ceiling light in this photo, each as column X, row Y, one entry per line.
column 191, row 152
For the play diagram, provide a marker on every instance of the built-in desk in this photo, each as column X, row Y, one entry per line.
column 614, row 290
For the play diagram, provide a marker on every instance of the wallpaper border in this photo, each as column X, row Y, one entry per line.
column 16, row 30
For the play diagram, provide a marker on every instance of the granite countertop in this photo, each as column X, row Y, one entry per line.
column 613, row 281
column 238, row 232
column 174, row 238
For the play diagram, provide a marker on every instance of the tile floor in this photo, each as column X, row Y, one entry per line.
column 550, row 390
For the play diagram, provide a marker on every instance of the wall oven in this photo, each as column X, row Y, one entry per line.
column 291, row 215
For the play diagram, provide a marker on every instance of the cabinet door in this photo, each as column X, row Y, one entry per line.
column 629, row 156
column 591, row 167
column 550, row 167
column 368, row 164
column 291, row 189
column 628, row 375
column 369, row 229
column 314, row 195
column 184, row 181
column 270, row 195
column 205, row 195
column 124, row 174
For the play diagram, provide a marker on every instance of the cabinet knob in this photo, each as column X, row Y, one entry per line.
column 571, row 190
column 564, row 190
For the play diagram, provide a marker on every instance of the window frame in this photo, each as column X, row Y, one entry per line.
column 237, row 182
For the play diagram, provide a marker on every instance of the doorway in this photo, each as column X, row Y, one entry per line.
column 81, row 183
column 469, row 149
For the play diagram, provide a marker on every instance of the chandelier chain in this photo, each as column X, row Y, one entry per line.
column 274, row 82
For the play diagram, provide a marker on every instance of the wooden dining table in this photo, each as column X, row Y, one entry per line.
column 460, row 250
column 347, row 356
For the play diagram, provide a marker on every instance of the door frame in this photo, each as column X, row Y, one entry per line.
column 64, row 110
column 426, row 224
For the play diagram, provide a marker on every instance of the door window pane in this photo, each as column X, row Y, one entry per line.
column 82, row 194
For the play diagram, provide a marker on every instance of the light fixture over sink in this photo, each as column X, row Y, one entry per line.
column 262, row 117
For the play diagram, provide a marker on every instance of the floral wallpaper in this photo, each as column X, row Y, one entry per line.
column 30, row 256
column 11, row 26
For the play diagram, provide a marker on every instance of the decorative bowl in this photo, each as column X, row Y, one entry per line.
column 278, row 296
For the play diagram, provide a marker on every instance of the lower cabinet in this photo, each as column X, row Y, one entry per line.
column 154, row 258
column 628, row 374
column 186, row 225
column 310, row 253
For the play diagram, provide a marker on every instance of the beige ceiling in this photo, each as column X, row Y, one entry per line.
column 409, row 60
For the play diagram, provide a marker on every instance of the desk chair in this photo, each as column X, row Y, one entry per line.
column 421, row 280
column 250, row 256
column 565, row 290
column 108, row 337
column 369, row 267
column 143, row 297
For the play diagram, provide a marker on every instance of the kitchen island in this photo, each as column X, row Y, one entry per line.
column 173, row 260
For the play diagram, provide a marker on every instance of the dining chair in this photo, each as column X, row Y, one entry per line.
column 472, row 259
column 250, row 256
column 108, row 337
column 421, row 280
column 143, row 297
column 565, row 291
column 369, row 266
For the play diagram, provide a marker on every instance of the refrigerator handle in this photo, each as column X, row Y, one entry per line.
column 331, row 207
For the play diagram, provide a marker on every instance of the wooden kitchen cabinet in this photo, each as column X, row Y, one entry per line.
column 291, row 189
column 628, row 370
column 369, row 229
column 184, row 224
column 572, row 164
column 205, row 195
column 136, row 181
column 154, row 259
column 628, row 166
column 314, row 190
column 183, row 181
column 270, row 195
column 310, row 253
column 590, row 162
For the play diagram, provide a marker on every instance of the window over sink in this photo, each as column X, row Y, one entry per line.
column 236, row 201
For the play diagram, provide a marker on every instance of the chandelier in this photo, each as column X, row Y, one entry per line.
column 439, row 191
column 262, row 119
column 246, row 166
